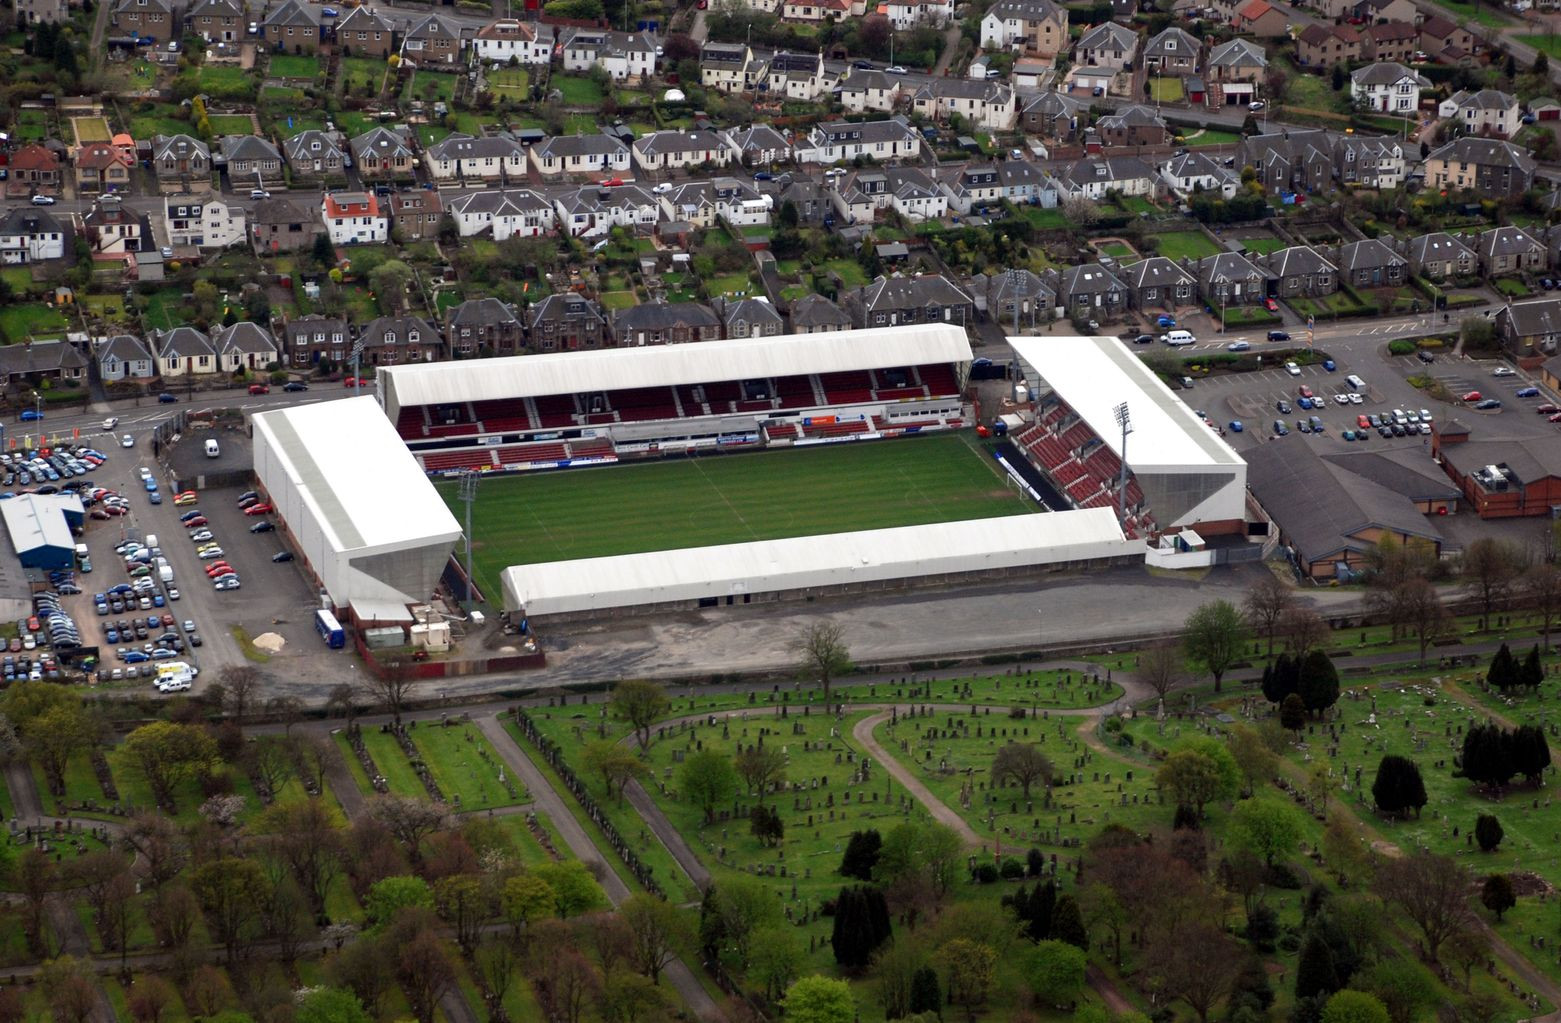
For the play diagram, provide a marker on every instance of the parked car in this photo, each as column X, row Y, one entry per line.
column 262, row 527
column 259, row 389
column 1528, row 392
column 166, row 399
column 1472, row 396
column 258, row 509
column 281, row 556
column 295, row 385
column 1504, row 371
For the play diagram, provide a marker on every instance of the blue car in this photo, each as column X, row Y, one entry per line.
column 155, row 497
column 157, row 600
column 1236, row 426
column 1166, row 321
column 1329, row 366
column 30, row 415
column 1529, row 392
column 1303, row 402
column 136, row 657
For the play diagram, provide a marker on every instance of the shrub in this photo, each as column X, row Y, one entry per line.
column 1011, row 869
column 1401, row 347
column 985, row 873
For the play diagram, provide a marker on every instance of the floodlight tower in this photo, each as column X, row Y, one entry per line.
column 468, row 494
column 1125, row 420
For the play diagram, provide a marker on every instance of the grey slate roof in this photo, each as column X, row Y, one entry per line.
column 1297, row 259
column 293, row 13
column 1484, row 152
column 248, row 147
column 1507, row 241
column 750, row 310
column 665, row 315
column 1387, row 72
column 125, row 348
column 183, row 343
column 1239, row 52
column 181, row 147
column 380, row 141
column 1369, row 253
column 1109, row 35
column 898, row 292
column 1185, row 44
column 482, row 312
column 561, row 147
column 312, row 145
column 244, row 338
column 814, row 310
column 1437, row 246
column 1155, row 272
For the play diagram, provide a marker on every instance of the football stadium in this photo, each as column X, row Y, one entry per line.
column 624, row 481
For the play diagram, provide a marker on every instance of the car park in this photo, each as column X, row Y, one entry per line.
column 207, row 555
column 227, row 584
column 201, row 535
column 1280, row 429
column 248, row 501
column 187, row 516
column 1425, row 356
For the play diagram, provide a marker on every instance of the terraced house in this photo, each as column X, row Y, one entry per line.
column 311, row 338
column 566, row 323
column 484, row 324
column 395, row 340
column 897, row 300
column 1492, row 167
column 598, row 154
column 670, row 150
column 665, row 323
column 835, row 141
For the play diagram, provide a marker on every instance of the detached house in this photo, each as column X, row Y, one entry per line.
column 1054, row 115
column 383, row 155
column 397, row 340
column 1158, row 283
column 251, row 161
column 1231, row 279
column 525, row 42
column 623, row 55
column 929, row 298
column 1440, row 256
column 145, row 19
column 837, row 141
column 203, row 221
column 1194, row 172
column 1132, row 126
column 1301, row 271
column 354, row 218
column 565, row 322
column 181, row 160
column 1173, row 52
column 1388, row 87
column 480, row 324
column 667, row 150
column 503, row 214
column 281, row 225
column 432, row 43
column 245, row 346
column 364, row 32
column 311, row 338
column 29, row 235
column 1039, row 27
column 113, row 230
column 35, row 170
column 183, row 351
column 124, row 357
column 219, row 21
column 102, row 167
column 1234, row 70
column 292, row 27
column 908, row 14
column 1448, row 42
column 1504, row 251
column 1108, row 46
column 1486, row 112
column 599, row 154
column 1372, row 263
column 1491, row 167
column 315, row 156
column 983, row 103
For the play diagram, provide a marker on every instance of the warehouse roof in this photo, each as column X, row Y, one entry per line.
column 807, row 562
column 1096, row 374
column 38, row 520
column 669, row 366
column 365, row 492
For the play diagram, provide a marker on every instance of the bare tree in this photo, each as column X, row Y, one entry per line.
column 1267, row 601
column 1542, row 594
column 241, row 689
column 158, row 846
column 1418, row 608
column 267, row 760
column 640, row 703
column 1196, row 962
column 1303, row 629
column 312, row 754
column 392, row 685
column 760, row 767
column 425, row 972
column 1433, row 891
column 1489, row 567
column 410, row 820
column 341, row 701
column 822, row 654
column 1162, row 668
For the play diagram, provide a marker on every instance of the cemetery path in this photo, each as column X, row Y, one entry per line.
column 941, row 812
column 550, row 801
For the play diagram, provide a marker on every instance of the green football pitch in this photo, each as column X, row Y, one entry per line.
column 717, row 499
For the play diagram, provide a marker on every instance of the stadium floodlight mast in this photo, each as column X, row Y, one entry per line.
column 468, row 494
column 1124, row 419
column 357, row 371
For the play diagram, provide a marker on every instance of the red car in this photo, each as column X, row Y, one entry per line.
column 1555, row 418
column 218, row 568
column 610, row 182
column 1548, row 409
column 1270, row 305
column 1363, row 422
column 1472, row 396
column 259, row 389
column 350, row 382
column 1304, row 391
column 258, row 509
column 196, row 522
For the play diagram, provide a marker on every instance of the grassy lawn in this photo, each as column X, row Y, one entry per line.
column 1512, row 286
column 666, row 505
column 297, row 68
column 282, row 94
column 1044, row 219
column 1547, row 44
column 1165, row 90
column 465, row 766
column 31, row 125
column 1313, row 92
column 849, row 271
column 577, row 92
column 1243, row 315
column 730, row 284
column 231, row 79
column 1211, row 137
column 91, row 129
column 231, row 124
column 619, row 300
column 1484, row 13
column 17, row 322
column 430, row 87
column 1191, row 244
column 1136, row 204
column 19, row 278
column 161, row 120
column 389, row 760
column 514, row 82
column 356, row 72
column 1116, row 250
column 428, row 134
column 1262, row 246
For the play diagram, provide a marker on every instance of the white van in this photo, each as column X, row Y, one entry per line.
column 151, row 542
column 1355, row 382
column 212, row 450
column 1177, row 338
column 82, row 554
